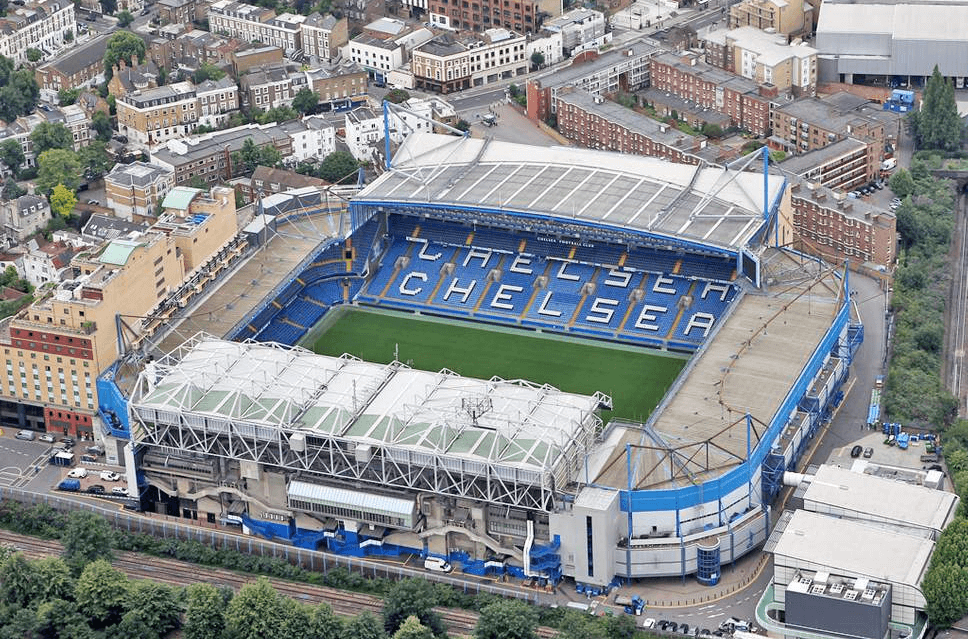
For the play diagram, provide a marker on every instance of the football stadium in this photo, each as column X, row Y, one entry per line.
column 544, row 363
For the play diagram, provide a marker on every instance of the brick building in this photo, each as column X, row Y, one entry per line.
column 81, row 66
column 480, row 15
column 55, row 348
column 842, row 166
column 323, row 37
column 596, row 123
column 245, row 59
column 177, row 11
column 266, row 181
column 174, row 111
column 837, row 228
column 687, row 77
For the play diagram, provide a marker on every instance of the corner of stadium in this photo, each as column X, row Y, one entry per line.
column 512, row 476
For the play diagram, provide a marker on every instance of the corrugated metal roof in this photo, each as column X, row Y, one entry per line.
column 343, row 498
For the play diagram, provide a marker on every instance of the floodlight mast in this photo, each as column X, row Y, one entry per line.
column 396, row 108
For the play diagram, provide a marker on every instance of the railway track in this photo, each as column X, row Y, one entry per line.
column 175, row 572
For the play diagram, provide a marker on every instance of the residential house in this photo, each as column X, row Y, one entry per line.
column 386, row 45
column 454, row 63
column 24, row 216
column 46, row 261
column 82, row 66
column 134, row 190
column 266, row 181
column 581, row 29
column 323, row 37
column 764, row 58
column 36, row 24
column 174, row 111
column 785, row 17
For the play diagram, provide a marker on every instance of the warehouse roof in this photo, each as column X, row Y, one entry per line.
column 850, row 548
column 931, row 21
column 909, row 505
column 713, row 205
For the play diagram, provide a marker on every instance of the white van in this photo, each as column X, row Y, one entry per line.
column 889, row 164
column 436, row 564
column 27, row 435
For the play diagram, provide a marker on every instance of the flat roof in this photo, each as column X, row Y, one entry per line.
column 712, row 205
column 851, row 548
column 508, row 423
column 930, row 21
column 118, row 251
column 908, row 504
column 748, row 365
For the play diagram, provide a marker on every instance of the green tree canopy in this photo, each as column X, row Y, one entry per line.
column 901, row 183
column 205, row 613
column 87, row 537
column 68, row 96
column 102, row 593
column 412, row 597
column 124, row 18
column 109, row 6
column 325, row 623
column 11, row 190
column 62, row 201
column 256, row 612
column 157, row 606
column 339, row 167
column 937, row 125
column 364, row 626
column 95, row 160
column 58, row 166
column 305, row 101
column 207, row 71
column 122, row 45
column 507, row 619
column 396, row 96
column 250, row 156
column 34, row 55
column 413, row 629
column 101, row 124
column 47, row 135
column 12, row 155
column 18, row 90
column 537, row 59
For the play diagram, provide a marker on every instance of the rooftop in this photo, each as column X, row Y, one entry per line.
column 118, row 251
column 804, row 162
column 136, row 174
column 80, row 57
column 199, row 147
column 575, row 73
column 927, row 20
column 180, row 198
column 512, row 424
column 716, row 206
column 909, row 505
column 850, row 548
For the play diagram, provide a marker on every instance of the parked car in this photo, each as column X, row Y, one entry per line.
column 856, row 451
column 48, row 438
column 868, row 452
column 120, row 490
column 96, row 489
column 649, row 623
column 69, row 441
column 77, row 473
column 109, row 475
column 94, row 450
column 27, row 435
column 437, row 564
column 71, row 485
column 684, row 629
column 88, row 459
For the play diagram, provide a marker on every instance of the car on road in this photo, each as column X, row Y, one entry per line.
column 109, row 475
column 856, row 451
column 868, row 452
column 437, row 564
column 68, row 441
column 684, row 629
column 26, row 435
column 48, row 438
column 77, row 473
column 96, row 489
column 120, row 490
column 649, row 623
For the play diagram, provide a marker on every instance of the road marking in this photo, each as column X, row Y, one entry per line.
column 718, row 614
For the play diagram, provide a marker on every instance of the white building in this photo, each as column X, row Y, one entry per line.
column 365, row 130
column 385, row 46
column 580, row 29
column 548, row 44
column 451, row 63
column 39, row 24
column 24, row 216
column 217, row 99
column 256, row 24
column 313, row 137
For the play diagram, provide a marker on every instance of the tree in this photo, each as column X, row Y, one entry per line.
column 250, row 156
column 53, row 575
column 412, row 597
column 305, row 101
column 95, row 160
column 207, row 71
column 901, row 183
column 937, row 125
column 712, row 130
column 47, row 135
column 87, row 537
column 205, row 614
column 256, row 612
column 413, row 629
column 157, row 608
column 11, row 190
column 34, row 55
column 60, row 618
column 396, row 96
column 68, row 96
column 102, row 593
column 109, row 6
column 58, row 166
column 507, row 619
column 18, row 90
column 124, row 18
column 364, row 626
column 945, row 588
column 101, row 124
column 62, row 201
column 339, row 167
column 12, row 155
column 324, row 623
column 537, row 60
column 69, row 36
column 463, row 125
column 123, row 45
column 18, row 581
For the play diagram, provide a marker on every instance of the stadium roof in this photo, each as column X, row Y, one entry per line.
column 507, row 423
column 710, row 205
column 850, row 548
column 845, row 491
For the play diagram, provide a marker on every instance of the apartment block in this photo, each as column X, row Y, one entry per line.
column 593, row 122
column 177, row 11
column 245, row 59
column 746, row 103
column 830, row 225
column 256, row 24
column 814, row 123
column 174, row 111
column 480, row 15
column 209, row 156
column 37, row 24
column 580, row 29
column 81, row 66
column 55, row 348
column 842, row 166
column 323, row 37
column 134, row 190
column 386, row 45
column 452, row 63
column 786, row 17
column 764, row 58
column 627, row 69
column 271, row 86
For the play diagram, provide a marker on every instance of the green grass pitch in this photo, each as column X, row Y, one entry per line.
column 636, row 379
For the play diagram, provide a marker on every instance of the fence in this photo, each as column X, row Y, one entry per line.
column 314, row 560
